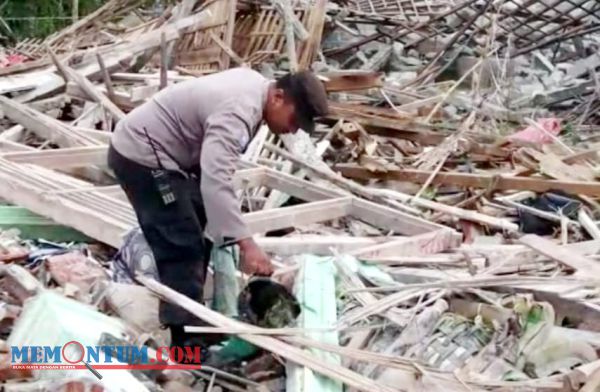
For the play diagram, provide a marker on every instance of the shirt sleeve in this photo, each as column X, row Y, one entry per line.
column 225, row 136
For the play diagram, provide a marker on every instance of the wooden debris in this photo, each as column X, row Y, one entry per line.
column 283, row 349
column 580, row 264
column 435, row 224
column 88, row 87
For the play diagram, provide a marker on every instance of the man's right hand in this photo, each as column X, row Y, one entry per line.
column 254, row 261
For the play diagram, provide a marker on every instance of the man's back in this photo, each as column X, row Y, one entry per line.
column 175, row 118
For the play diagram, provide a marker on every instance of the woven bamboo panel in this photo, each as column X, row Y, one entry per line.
column 197, row 51
column 259, row 35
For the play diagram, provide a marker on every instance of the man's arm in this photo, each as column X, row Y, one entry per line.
column 224, row 135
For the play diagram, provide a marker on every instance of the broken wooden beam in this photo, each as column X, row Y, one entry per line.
column 87, row 86
column 470, row 180
column 384, row 195
column 44, row 126
column 573, row 260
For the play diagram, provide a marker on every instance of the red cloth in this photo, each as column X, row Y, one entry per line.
column 534, row 135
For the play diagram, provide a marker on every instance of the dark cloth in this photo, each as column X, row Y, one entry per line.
column 554, row 201
column 174, row 230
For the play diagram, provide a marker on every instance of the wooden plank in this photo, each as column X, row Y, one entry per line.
column 574, row 260
column 288, row 29
column 248, row 177
column 423, row 244
column 62, row 158
column 100, row 136
column 228, row 34
column 182, row 10
column 93, row 222
column 484, row 181
column 591, row 154
column 145, row 77
column 74, row 27
column 44, row 126
column 399, row 131
column 391, row 219
column 110, row 91
column 317, row 244
column 204, row 55
column 13, row 134
column 293, row 186
column 141, row 93
column 8, row 146
column 383, row 195
column 22, row 67
column 589, row 225
column 370, row 116
column 304, row 214
column 163, row 62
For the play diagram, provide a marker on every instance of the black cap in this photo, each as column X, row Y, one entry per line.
column 309, row 97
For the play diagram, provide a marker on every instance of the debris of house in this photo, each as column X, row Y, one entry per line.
column 439, row 230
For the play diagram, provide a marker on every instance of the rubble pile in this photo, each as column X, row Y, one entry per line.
column 439, row 230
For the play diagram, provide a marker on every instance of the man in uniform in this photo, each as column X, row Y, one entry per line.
column 175, row 156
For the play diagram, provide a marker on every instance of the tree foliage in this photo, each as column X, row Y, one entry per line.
column 39, row 18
